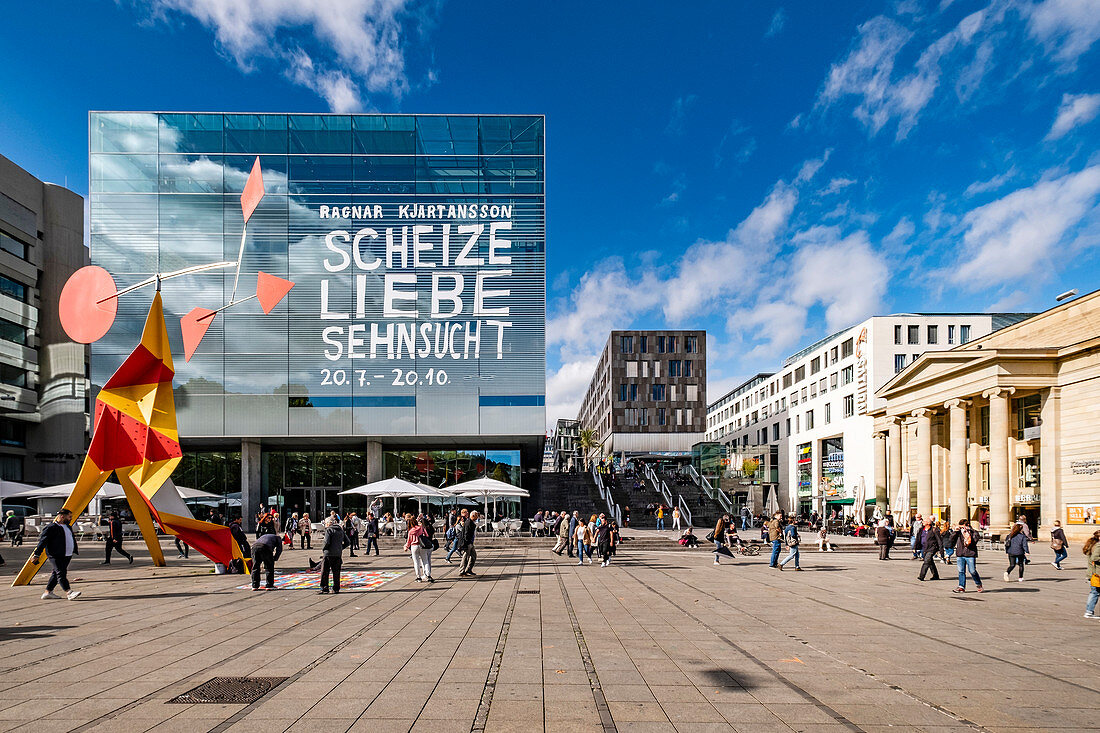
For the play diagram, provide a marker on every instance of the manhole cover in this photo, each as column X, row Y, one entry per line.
column 230, row 689
column 526, row 592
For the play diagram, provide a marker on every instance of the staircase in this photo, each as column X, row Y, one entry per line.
column 569, row 492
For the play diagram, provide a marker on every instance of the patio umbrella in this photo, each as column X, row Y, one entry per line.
column 772, row 503
column 902, row 500
column 489, row 488
column 859, row 501
column 395, row 488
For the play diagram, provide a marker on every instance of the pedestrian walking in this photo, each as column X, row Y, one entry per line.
column 1058, row 544
column 964, row 539
column 469, row 531
column 931, row 543
column 914, row 531
column 626, row 516
column 455, row 537
column 305, row 532
column 370, row 529
column 583, row 540
column 774, row 529
column 351, row 534
column 746, row 517
column 265, row 551
column 290, row 529
column 1017, row 548
column 792, row 541
column 1092, row 552
column 563, row 534
column 573, row 520
column 332, row 555
column 15, row 526
column 718, row 536
column 603, row 540
column 59, row 542
column 419, row 544
column 676, row 519
column 182, row 548
column 660, row 517
column 114, row 539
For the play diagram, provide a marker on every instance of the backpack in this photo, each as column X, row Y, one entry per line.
column 967, row 536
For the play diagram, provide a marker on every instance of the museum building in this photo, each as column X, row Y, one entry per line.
column 412, row 342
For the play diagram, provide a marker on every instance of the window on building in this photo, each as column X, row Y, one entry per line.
column 11, row 468
column 799, row 374
column 803, row 395
column 656, row 370
column 13, row 332
column 787, row 381
column 821, row 385
column 847, row 348
column 950, row 334
column 13, row 375
column 897, row 335
column 794, row 398
column 809, row 419
column 660, row 344
column 847, row 375
column 9, row 243
column 633, row 391
column 689, row 416
column 815, row 365
column 983, row 416
column 828, row 412
column 643, row 344
column 13, row 433
column 632, row 369
column 775, row 431
column 622, row 393
column 1027, row 414
column 691, row 392
column 796, row 425
column 788, row 427
column 933, row 334
column 914, row 334
column 915, row 357
column 687, row 367
column 661, row 416
column 964, row 334
column 899, row 362
column 659, row 393
column 834, row 354
column 813, row 390
column 626, row 344
column 691, row 344
column 13, row 289
column 833, row 380
column 672, row 344
column 675, row 368
column 672, row 393
column 849, row 405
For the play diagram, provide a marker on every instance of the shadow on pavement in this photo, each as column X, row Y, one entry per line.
column 725, row 678
column 10, row 633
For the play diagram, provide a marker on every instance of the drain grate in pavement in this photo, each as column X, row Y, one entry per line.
column 230, row 690
column 527, row 592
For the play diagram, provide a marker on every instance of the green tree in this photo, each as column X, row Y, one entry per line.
column 588, row 442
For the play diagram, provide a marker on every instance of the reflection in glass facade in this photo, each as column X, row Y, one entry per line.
column 417, row 249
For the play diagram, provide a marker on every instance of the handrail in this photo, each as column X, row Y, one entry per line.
column 605, row 494
column 684, row 510
column 713, row 492
column 665, row 493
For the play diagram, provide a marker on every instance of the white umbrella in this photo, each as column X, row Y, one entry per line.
column 397, row 488
column 187, row 493
column 772, row 504
column 902, row 500
column 489, row 488
column 859, row 501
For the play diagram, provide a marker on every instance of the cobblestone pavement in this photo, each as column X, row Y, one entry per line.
column 659, row 641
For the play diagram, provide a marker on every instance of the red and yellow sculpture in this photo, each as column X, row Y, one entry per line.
column 135, row 434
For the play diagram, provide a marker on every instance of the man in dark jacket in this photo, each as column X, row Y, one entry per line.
column 265, row 551
column 882, row 539
column 59, row 542
column 931, row 543
column 331, row 552
column 572, row 532
column 964, row 539
column 371, row 530
column 114, row 539
column 15, row 526
column 468, row 530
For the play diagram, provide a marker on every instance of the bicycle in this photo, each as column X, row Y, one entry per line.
column 748, row 550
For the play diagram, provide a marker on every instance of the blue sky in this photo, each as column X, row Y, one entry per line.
column 770, row 172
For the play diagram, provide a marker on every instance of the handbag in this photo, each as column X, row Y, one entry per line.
column 1094, row 581
column 286, row 539
column 426, row 542
column 1055, row 543
column 710, row 536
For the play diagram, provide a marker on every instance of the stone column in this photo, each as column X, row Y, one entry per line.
column 881, row 493
column 894, row 457
column 1050, row 459
column 924, row 461
column 251, row 488
column 374, row 461
column 957, row 463
column 999, row 499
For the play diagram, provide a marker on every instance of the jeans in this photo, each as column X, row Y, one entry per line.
column 61, row 569
column 581, row 552
column 1059, row 556
column 792, row 556
column 1094, row 595
column 1013, row 561
column 717, row 546
column 660, row 522
column 775, row 553
column 968, row 564
column 452, row 548
column 744, row 522
column 371, row 541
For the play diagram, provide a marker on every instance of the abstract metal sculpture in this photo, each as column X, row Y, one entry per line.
column 135, row 434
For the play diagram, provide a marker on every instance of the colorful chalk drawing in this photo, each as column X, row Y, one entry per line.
column 365, row 579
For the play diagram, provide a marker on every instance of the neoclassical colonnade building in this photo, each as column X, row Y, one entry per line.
column 1005, row 426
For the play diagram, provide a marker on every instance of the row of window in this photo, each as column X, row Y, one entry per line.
column 639, row 416
column 664, row 344
column 657, row 392
column 932, row 333
column 9, row 243
column 13, row 289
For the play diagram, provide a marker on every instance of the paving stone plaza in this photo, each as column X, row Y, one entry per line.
column 659, row 641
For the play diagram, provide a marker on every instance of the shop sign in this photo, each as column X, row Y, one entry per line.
column 861, row 373
column 1027, row 498
column 1032, row 433
column 1083, row 514
column 1086, row 467
column 805, row 469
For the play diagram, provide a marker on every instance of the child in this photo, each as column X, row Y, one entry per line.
column 823, row 543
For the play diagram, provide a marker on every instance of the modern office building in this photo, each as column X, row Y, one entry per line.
column 563, row 446
column 648, row 393
column 815, row 410
column 412, row 342
column 43, row 375
column 1002, row 427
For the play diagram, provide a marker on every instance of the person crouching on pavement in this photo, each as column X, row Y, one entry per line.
column 265, row 551
column 332, row 553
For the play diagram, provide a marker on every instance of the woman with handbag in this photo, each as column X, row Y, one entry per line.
column 718, row 536
column 1092, row 552
column 419, row 543
column 792, row 540
column 1017, row 549
column 1058, row 544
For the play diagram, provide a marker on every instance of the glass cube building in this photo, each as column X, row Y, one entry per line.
column 413, row 340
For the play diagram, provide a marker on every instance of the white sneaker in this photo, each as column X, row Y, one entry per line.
column 716, row 561
column 73, row 595
column 1055, row 565
column 580, row 562
column 1019, row 580
column 1087, row 615
column 1006, row 576
column 49, row 594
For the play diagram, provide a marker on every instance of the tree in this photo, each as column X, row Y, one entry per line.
column 749, row 466
column 587, row 442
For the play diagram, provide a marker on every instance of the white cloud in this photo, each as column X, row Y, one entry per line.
column 359, row 42
column 823, row 250
column 779, row 19
column 778, row 326
column 680, row 109
column 565, row 388
column 837, row 184
column 1011, row 238
column 1076, row 109
column 1066, row 28
column 810, row 167
column 990, row 185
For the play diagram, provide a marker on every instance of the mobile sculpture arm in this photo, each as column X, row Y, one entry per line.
column 135, row 434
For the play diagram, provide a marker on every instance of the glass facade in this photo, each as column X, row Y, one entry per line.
column 416, row 245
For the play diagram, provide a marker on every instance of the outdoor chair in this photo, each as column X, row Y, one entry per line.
column 537, row 529
column 498, row 529
column 514, row 526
